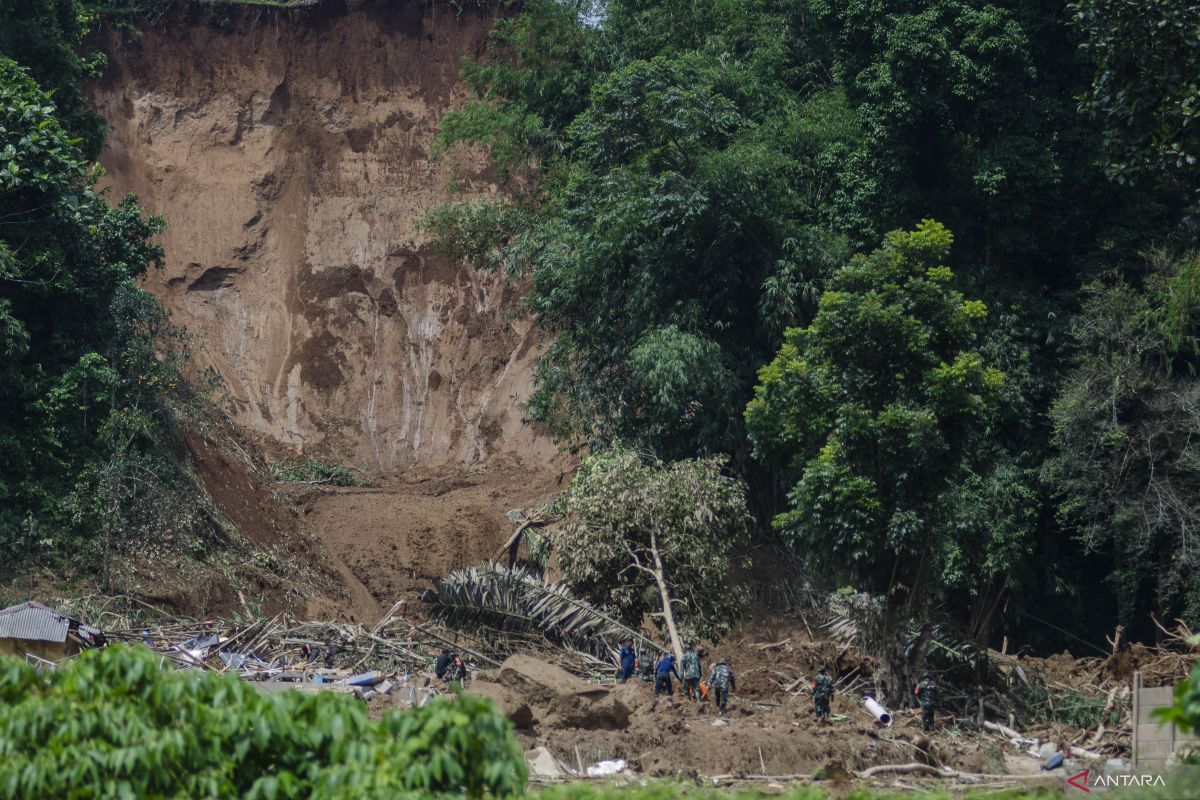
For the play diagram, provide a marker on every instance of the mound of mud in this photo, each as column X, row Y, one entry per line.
column 533, row 693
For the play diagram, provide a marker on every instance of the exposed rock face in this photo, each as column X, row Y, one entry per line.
column 290, row 154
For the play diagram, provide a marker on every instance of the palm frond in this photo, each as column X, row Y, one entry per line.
column 493, row 600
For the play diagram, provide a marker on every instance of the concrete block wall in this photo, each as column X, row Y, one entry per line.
column 1153, row 743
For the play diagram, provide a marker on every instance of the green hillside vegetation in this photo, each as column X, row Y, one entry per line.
column 91, row 380
column 970, row 432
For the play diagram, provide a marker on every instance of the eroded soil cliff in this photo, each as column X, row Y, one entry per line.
column 290, row 153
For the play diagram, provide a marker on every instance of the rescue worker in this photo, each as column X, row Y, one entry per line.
column 720, row 682
column 628, row 661
column 691, row 671
column 822, row 690
column 330, row 653
column 662, row 675
column 458, row 670
column 926, row 693
column 442, row 665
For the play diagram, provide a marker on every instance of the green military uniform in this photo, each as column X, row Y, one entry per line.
column 927, row 694
column 822, row 690
column 720, row 682
column 691, row 673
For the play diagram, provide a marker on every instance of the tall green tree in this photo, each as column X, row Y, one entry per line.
column 873, row 410
column 1126, row 468
column 643, row 537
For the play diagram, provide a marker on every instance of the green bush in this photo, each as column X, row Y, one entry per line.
column 117, row 723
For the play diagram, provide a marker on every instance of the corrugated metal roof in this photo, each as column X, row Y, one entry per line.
column 35, row 622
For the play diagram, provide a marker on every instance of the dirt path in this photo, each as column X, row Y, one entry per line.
column 391, row 541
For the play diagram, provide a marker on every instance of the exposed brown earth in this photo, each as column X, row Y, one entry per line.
column 291, row 155
column 397, row 538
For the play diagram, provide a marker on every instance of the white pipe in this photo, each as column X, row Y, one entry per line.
column 879, row 712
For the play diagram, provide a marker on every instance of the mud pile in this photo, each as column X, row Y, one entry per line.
column 290, row 154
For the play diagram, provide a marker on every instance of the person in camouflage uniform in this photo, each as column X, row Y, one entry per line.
column 690, row 667
column 822, row 690
column 926, row 693
column 720, row 683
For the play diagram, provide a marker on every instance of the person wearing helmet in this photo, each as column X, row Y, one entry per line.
column 721, row 682
column 926, row 693
column 822, row 690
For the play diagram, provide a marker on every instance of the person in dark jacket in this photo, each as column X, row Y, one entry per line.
column 822, row 690
column 628, row 663
column 443, row 665
column 663, row 673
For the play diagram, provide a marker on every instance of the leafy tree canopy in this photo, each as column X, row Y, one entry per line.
column 872, row 410
column 1144, row 90
column 1126, row 471
column 644, row 537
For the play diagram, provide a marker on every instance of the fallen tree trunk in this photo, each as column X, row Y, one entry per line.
column 924, row 769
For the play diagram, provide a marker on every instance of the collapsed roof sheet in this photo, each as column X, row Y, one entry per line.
column 34, row 622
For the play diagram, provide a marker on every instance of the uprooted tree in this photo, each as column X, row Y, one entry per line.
column 872, row 410
column 647, row 537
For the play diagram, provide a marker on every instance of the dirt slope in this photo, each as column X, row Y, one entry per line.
column 395, row 539
column 290, row 154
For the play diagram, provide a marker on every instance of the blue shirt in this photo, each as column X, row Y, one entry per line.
column 628, row 657
column 666, row 666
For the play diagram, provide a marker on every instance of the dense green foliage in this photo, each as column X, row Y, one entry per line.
column 116, row 723
column 871, row 413
column 1146, row 55
column 687, row 180
column 637, row 528
column 91, row 366
column 1126, row 468
column 873, row 408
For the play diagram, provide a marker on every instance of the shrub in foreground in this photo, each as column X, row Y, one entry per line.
column 118, row 723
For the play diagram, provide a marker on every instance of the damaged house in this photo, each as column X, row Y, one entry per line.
column 34, row 629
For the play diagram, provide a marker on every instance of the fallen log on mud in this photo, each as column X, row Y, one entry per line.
column 924, row 769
